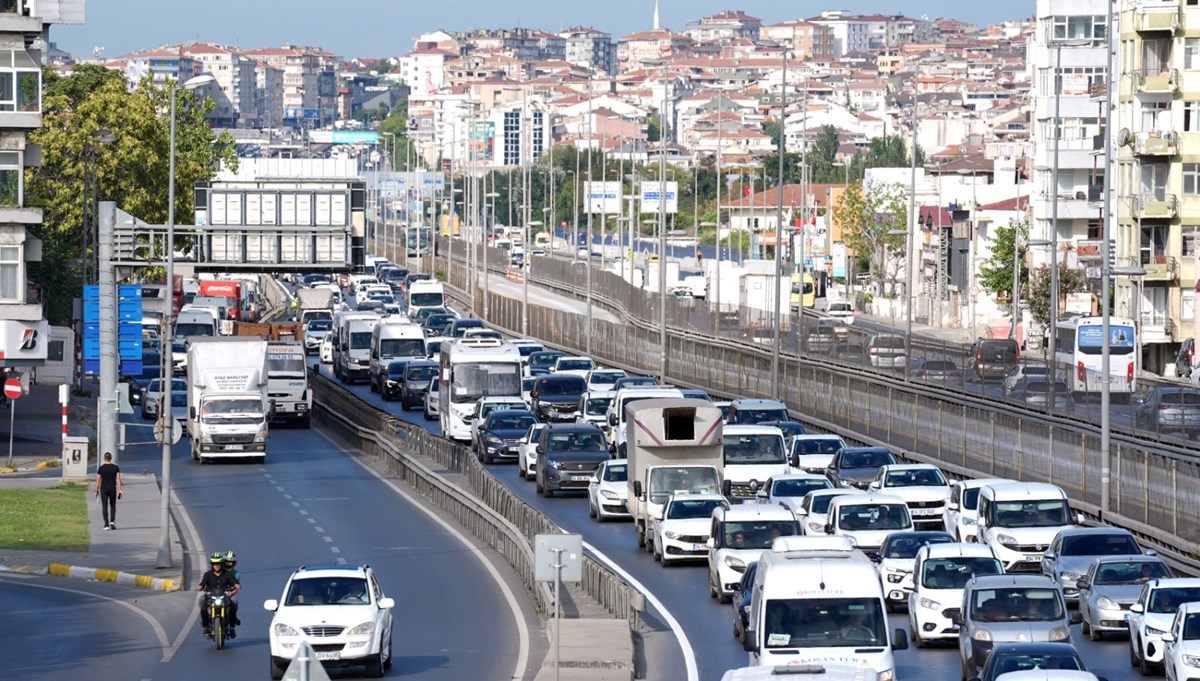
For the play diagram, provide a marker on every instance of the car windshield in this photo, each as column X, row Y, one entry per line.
column 798, row 487
column 473, row 381
column 421, row 374
column 921, row 477
column 512, row 422
column 839, row 307
column 190, row 330
column 320, row 325
column 1168, row 600
column 766, row 448
column 867, row 459
column 1114, row 544
column 360, row 340
column 527, row 350
column 232, row 411
column 437, row 321
column 665, row 480
column 327, row 591
column 955, row 572
column 1026, row 604
column 577, row 442
column 635, row 381
column 574, row 365
column 596, row 406
column 543, row 360
column 753, row 416
column 688, row 509
column 567, row 385
column 286, row 363
column 1019, row 662
column 822, row 445
column 1045, row 513
column 757, row 534
column 1181, row 397
column 855, row 517
column 1130, row 572
column 402, row 347
column 824, row 623
column 431, row 298
column 905, row 547
column 604, row 377
column 616, row 472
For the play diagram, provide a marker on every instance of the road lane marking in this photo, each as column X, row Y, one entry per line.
column 334, row 549
column 511, row 598
column 319, row 529
column 185, row 519
column 328, row 539
column 689, row 655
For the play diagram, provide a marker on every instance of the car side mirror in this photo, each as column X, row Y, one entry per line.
column 1048, row 554
column 727, row 487
column 1138, row 608
column 1082, row 584
column 637, row 488
column 612, row 419
column 1168, row 638
column 594, row 480
column 828, row 528
column 1151, row 552
column 749, row 641
column 952, row 506
column 1076, row 617
column 1080, row 519
column 899, row 639
column 874, row 485
column 192, row 413
column 798, row 512
column 711, row 543
column 271, row 604
column 761, row 494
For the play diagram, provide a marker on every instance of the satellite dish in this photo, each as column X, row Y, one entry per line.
column 1124, row 137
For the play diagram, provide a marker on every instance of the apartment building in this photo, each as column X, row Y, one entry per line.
column 161, row 65
column 806, row 39
column 722, row 26
column 636, row 49
column 526, row 44
column 1158, row 172
column 268, row 94
column 591, row 48
column 24, row 333
column 309, row 82
column 233, row 87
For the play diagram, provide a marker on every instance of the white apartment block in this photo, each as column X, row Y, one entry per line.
column 723, row 26
column 591, row 48
column 233, row 89
column 849, row 33
column 268, row 93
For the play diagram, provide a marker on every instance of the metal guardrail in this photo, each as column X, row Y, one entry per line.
column 494, row 514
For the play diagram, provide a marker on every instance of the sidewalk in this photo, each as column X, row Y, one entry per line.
column 127, row 555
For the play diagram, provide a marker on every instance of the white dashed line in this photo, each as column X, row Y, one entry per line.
column 319, row 528
column 313, row 521
column 335, row 549
column 341, row 561
column 302, row 511
column 285, row 496
column 328, row 539
column 296, row 504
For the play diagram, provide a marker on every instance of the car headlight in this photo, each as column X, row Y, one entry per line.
column 557, row 465
column 671, row 534
column 981, row 635
column 391, row 383
column 1106, row 603
column 609, row 495
column 1060, row 634
column 966, row 521
column 845, row 483
column 735, row 563
column 929, row 604
column 816, row 527
column 895, row 577
column 282, row 629
column 364, row 629
column 888, row 675
column 1151, row 631
column 1191, row 660
column 493, row 440
column 1007, row 541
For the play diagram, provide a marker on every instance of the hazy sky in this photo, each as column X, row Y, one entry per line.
column 379, row 28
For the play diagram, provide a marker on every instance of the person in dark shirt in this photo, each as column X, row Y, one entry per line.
column 109, row 488
column 216, row 579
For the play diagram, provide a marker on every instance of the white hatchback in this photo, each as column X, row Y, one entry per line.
column 608, row 490
column 340, row 610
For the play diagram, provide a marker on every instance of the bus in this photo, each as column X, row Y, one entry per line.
column 417, row 240
column 471, row 368
column 1078, row 343
column 810, row 290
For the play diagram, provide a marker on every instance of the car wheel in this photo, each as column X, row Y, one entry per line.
column 1146, row 667
column 278, row 668
column 1133, row 656
column 712, row 587
column 658, row 557
column 375, row 665
column 1084, row 627
column 916, row 638
column 387, row 661
column 487, row 458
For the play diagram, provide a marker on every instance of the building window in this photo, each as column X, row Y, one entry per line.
column 1191, row 179
column 1191, row 116
column 10, row 274
column 1086, row 27
column 20, row 81
column 1153, row 244
column 11, row 180
column 1191, row 240
column 1191, row 54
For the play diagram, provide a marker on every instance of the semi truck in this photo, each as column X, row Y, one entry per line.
column 287, row 383
column 227, row 397
column 673, row 445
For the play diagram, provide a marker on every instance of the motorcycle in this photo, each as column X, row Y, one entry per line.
column 217, row 602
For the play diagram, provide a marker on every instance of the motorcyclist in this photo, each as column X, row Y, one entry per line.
column 216, row 579
column 230, row 564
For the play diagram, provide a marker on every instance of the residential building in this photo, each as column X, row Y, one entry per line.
column 233, row 87
column 591, row 48
column 161, row 65
column 636, row 49
column 1157, row 205
column 423, row 69
column 723, row 26
column 268, row 95
column 849, row 33
column 806, row 39
column 525, row 44
column 25, row 341
column 309, row 82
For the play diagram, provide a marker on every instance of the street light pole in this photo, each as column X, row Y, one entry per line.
column 778, row 285
column 912, row 228
column 1106, row 285
column 165, row 413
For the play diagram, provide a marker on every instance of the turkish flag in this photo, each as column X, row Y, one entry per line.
column 746, row 191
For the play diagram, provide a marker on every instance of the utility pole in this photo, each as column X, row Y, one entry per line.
column 775, row 382
column 109, row 369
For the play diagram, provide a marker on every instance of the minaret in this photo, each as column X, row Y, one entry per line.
column 656, row 25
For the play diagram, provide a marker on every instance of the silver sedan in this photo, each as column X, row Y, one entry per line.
column 1111, row 585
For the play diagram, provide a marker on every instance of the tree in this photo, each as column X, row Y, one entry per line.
column 823, row 154
column 891, row 152
column 133, row 170
column 996, row 275
column 870, row 222
column 653, row 128
column 1069, row 281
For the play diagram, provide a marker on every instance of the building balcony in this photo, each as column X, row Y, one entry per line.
column 1160, row 268
column 1154, row 206
column 1095, row 194
column 1164, row 82
column 1156, row 19
column 1156, row 143
column 1155, row 326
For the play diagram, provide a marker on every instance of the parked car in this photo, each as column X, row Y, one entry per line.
column 1109, row 586
column 994, row 357
column 1168, row 409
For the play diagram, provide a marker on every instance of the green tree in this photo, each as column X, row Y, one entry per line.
column 996, row 275
column 133, row 170
column 890, row 152
column 653, row 128
column 872, row 222
column 1069, row 281
column 772, row 129
column 405, row 156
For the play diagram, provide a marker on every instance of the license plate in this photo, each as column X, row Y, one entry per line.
column 925, row 511
column 1034, row 558
column 580, row 477
column 336, row 655
column 233, row 448
column 698, row 547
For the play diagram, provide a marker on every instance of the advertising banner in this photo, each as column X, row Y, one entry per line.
column 23, row 341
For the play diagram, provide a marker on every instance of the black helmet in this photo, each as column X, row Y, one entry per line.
column 215, row 558
column 230, row 557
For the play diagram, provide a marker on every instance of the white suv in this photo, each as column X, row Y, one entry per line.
column 342, row 613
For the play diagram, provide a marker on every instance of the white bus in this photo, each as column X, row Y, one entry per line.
column 471, row 369
column 1078, row 343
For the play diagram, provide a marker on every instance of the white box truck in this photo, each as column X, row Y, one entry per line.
column 287, row 383
column 315, row 303
column 391, row 339
column 673, row 445
column 352, row 345
column 227, row 397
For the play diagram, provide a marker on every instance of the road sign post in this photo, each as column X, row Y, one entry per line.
column 557, row 557
column 12, row 390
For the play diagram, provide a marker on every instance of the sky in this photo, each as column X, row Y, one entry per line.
column 384, row 28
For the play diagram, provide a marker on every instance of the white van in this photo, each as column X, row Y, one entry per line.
column 753, row 455
column 867, row 519
column 817, row 601
column 425, row 294
column 1018, row 520
column 739, row 536
column 393, row 338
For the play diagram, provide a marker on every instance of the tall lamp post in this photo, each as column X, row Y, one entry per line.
column 491, row 196
column 527, row 265
column 778, row 283
column 165, row 414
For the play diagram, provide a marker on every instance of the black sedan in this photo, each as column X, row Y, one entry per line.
column 500, row 434
column 151, row 369
column 1015, row 657
column 741, row 601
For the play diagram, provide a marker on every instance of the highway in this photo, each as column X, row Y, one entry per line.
column 460, row 612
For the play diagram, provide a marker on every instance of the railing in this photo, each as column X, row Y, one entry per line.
column 1156, row 82
column 1156, row 143
column 487, row 509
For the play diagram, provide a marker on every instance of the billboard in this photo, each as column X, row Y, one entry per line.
column 355, row 137
column 23, row 342
column 652, row 193
column 295, row 113
column 482, row 136
column 603, row 197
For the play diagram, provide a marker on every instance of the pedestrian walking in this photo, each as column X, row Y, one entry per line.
column 109, row 488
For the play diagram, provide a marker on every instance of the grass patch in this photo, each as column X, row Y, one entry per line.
column 47, row 519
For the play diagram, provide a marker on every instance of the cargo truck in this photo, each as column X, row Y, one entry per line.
column 278, row 331
column 287, row 383
column 352, row 345
column 673, row 445
column 315, row 303
column 227, row 397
